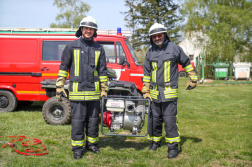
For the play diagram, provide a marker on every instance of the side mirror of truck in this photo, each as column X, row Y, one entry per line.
column 122, row 60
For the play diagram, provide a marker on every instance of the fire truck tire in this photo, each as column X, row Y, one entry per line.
column 182, row 74
column 57, row 112
column 8, row 101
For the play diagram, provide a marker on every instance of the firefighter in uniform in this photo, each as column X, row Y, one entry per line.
column 85, row 59
column 160, row 84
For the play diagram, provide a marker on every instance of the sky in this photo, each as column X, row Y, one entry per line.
column 41, row 13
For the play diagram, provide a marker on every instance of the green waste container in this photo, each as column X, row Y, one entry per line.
column 220, row 70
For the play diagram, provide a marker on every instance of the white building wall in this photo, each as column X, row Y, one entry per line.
column 193, row 44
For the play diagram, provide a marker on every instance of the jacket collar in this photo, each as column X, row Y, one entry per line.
column 86, row 41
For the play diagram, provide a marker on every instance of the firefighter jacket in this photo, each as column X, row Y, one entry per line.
column 161, row 70
column 86, row 62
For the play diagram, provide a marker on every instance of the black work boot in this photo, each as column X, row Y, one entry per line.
column 154, row 147
column 94, row 149
column 172, row 154
column 172, row 150
column 151, row 144
column 78, row 154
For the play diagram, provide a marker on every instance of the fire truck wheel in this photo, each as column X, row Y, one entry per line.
column 57, row 112
column 182, row 74
column 8, row 101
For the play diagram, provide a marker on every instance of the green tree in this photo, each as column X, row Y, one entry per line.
column 142, row 14
column 227, row 25
column 130, row 18
column 71, row 13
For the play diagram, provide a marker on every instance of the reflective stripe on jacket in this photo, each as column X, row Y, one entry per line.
column 86, row 62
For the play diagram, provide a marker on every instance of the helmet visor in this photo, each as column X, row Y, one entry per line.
column 157, row 30
column 89, row 24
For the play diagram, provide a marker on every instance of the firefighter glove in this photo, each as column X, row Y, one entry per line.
column 192, row 83
column 60, row 88
column 104, row 89
column 146, row 91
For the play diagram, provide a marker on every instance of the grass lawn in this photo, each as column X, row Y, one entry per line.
column 215, row 124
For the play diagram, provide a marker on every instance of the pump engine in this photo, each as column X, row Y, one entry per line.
column 124, row 114
column 124, row 109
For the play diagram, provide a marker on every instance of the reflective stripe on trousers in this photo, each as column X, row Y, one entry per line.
column 164, row 112
column 78, row 143
column 153, row 138
column 84, row 114
column 92, row 140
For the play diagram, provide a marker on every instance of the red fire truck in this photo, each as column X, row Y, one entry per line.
column 29, row 56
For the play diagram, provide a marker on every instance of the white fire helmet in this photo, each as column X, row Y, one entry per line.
column 157, row 28
column 88, row 21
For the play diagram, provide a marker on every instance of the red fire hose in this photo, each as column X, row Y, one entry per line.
column 28, row 151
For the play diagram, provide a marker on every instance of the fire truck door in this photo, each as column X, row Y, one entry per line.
column 123, row 72
column 50, row 59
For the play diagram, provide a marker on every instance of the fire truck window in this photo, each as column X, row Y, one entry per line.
column 52, row 50
column 120, row 54
column 109, row 51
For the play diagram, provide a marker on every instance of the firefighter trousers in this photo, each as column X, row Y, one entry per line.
column 164, row 112
column 84, row 114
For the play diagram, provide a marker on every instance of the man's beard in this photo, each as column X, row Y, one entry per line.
column 159, row 42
